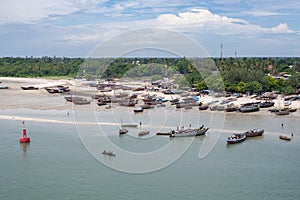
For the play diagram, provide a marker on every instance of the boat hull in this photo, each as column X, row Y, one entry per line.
column 254, row 133
column 145, row 132
column 284, row 137
column 108, row 153
column 189, row 132
column 237, row 138
column 123, row 131
column 249, row 109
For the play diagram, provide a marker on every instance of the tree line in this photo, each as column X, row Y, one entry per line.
column 245, row 75
column 39, row 67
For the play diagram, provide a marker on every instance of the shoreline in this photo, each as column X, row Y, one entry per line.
column 16, row 98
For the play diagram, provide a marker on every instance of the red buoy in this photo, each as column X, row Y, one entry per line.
column 24, row 138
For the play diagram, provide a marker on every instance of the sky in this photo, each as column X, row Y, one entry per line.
column 73, row 28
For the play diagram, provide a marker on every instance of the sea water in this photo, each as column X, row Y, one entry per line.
column 57, row 164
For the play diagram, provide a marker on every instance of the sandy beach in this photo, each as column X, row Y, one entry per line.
column 15, row 97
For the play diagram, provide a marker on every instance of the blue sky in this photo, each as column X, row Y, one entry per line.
column 74, row 27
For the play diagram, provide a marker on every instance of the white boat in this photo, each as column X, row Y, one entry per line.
column 138, row 109
column 189, row 132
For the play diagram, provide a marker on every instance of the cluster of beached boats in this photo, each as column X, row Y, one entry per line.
column 187, row 100
column 140, row 102
column 147, row 97
column 252, row 107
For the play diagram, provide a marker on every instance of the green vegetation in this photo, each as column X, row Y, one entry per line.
column 246, row 75
column 39, row 67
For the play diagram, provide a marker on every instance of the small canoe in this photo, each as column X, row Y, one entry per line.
column 3, row 87
column 292, row 109
column 138, row 109
column 101, row 103
column 144, row 132
column 81, row 102
column 123, row 131
column 164, row 133
column 203, row 107
column 108, row 153
column 129, row 125
column 29, row 88
column 285, row 137
column 282, row 112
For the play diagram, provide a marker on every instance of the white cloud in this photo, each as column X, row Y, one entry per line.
column 263, row 13
column 196, row 16
column 86, row 28
column 199, row 21
column 221, row 25
column 31, row 11
column 18, row 11
column 281, row 28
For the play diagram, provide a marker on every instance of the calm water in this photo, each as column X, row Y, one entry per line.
column 56, row 165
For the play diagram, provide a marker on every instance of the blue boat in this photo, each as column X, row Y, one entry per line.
column 236, row 138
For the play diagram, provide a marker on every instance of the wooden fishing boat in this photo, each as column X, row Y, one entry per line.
column 123, row 131
column 282, row 112
column 108, row 153
column 292, row 109
column 285, row 137
column 254, row 132
column 138, row 109
column 217, row 108
column 188, row 107
column 189, row 132
column 174, row 100
column 129, row 103
column 273, row 110
column 81, row 101
column 57, row 89
column 266, row 104
column 29, row 88
column 144, row 132
column 129, row 125
column 230, row 109
column 203, row 107
column 3, row 87
column 101, row 103
column 250, row 108
column 71, row 98
column 236, row 138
